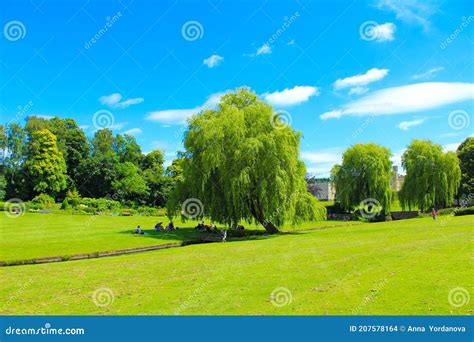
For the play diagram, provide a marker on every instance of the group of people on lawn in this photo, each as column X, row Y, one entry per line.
column 212, row 227
column 170, row 227
column 158, row 228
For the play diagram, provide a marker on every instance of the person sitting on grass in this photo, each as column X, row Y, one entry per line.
column 139, row 230
column 159, row 227
column 170, row 227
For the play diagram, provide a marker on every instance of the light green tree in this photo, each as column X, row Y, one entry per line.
column 432, row 177
column 45, row 164
column 363, row 175
column 242, row 164
column 129, row 184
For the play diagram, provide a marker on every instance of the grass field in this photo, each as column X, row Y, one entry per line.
column 43, row 235
column 390, row 268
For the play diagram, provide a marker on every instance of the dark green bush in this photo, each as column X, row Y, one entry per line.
column 465, row 211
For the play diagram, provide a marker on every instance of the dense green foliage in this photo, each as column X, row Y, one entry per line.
column 241, row 167
column 465, row 154
column 241, row 162
column 364, row 175
column 432, row 176
column 45, row 164
column 55, row 158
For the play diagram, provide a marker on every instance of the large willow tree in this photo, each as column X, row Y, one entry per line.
column 364, row 175
column 242, row 163
column 432, row 177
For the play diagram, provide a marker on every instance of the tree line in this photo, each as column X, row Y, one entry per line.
column 54, row 157
column 434, row 179
column 241, row 162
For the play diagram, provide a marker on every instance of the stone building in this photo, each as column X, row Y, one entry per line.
column 324, row 190
column 396, row 180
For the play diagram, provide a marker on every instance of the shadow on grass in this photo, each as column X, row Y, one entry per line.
column 191, row 234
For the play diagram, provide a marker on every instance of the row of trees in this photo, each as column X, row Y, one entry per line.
column 433, row 177
column 55, row 156
column 241, row 162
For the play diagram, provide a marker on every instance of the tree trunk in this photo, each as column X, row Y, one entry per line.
column 269, row 227
column 257, row 213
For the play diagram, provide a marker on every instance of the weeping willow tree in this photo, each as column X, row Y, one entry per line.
column 241, row 162
column 432, row 177
column 364, row 175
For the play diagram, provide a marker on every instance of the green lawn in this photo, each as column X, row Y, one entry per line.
column 390, row 268
column 43, row 235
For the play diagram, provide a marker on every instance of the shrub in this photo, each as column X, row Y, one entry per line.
column 73, row 198
column 43, row 201
column 446, row 211
column 465, row 211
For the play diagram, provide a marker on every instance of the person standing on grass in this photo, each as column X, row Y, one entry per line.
column 224, row 235
column 434, row 214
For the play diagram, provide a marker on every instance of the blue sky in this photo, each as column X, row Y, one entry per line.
column 342, row 72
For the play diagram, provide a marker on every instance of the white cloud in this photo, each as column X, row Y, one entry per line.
column 179, row 116
column 113, row 101
column 133, row 131
column 406, row 125
column 213, row 61
column 320, row 163
column 43, row 116
column 324, row 156
column 125, row 104
column 358, row 90
column 411, row 11
column 384, row 32
column 290, row 97
column 361, row 80
column 404, row 99
column 265, row 49
column 110, row 100
column 451, row 147
column 117, row 126
column 427, row 74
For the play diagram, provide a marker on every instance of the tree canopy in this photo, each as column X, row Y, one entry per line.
column 363, row 175
column 432, row 177
column 45, row 164
column 242, row 166
column 465, row 154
